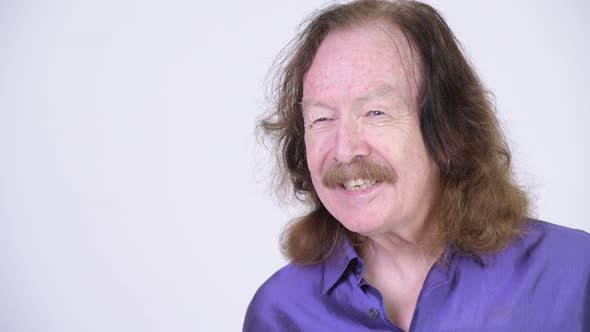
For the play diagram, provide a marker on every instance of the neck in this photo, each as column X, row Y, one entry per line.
column 397, row 266
column 405, row 254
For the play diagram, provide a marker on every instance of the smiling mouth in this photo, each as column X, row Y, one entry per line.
column 358, row 184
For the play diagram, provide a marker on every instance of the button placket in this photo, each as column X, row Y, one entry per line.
column 358, row 270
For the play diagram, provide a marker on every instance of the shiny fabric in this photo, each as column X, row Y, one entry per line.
column 541, row 282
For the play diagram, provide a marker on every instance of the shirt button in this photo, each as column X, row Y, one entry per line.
column 373, row 313
column 358, row 270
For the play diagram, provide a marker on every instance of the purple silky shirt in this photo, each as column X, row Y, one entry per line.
column 541, row 282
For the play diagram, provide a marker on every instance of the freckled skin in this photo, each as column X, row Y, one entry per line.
column 339, row 103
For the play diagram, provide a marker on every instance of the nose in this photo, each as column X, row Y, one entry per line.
column 350, row 141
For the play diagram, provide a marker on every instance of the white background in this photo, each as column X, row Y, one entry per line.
column 133, row 194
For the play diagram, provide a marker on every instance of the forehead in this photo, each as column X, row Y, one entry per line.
column 355, row 61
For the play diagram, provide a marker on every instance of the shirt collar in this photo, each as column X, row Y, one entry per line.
column 337, row 263
column 345, row 256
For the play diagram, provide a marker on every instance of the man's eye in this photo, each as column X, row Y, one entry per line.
column 323, row 119
column 375, row 113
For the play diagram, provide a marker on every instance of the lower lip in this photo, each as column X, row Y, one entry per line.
column 359, row 193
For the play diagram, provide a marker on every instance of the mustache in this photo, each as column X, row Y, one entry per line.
column 359, row 168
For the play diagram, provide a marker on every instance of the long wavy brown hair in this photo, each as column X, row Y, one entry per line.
column 481, row 208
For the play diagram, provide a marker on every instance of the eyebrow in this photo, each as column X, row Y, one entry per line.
column 382, row 90
column 306, row 103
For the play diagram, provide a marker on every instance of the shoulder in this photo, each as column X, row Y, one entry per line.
column 289, row 281
column 557, row 256
column 278, row 297
column 555, row 243
column 544, row 274
column 545, row 252
column 545, row 244
column 554, row 263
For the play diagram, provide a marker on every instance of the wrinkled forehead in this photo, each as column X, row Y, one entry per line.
column 361, row 57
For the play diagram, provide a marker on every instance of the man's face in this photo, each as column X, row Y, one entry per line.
column 360, row 106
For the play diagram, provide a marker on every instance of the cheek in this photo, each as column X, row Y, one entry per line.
column 313, row 163
column 387, row 150
column 315, row 150
column 383, row 142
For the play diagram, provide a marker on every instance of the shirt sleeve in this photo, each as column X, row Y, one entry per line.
column 269, row 312
column 586, row 306
column 263, row 314
column 256, row 319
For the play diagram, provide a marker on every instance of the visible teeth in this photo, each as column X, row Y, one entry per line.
column 358, row 184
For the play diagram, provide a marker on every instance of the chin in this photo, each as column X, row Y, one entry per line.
column 361, row 225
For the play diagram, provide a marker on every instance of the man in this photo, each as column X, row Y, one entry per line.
column 415, row 221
